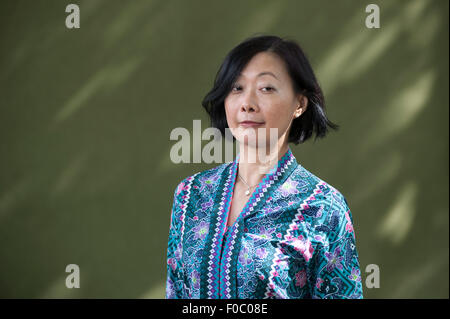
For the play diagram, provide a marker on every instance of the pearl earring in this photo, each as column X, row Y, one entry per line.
column 299, row 112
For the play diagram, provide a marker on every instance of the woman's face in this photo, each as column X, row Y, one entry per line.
column 262, row 93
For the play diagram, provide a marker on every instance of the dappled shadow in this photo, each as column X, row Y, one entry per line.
column 86, row 115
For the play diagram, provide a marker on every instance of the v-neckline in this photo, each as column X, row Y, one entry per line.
column 221, row 250
column 288, row 154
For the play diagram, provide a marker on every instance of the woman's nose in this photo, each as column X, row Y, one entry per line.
column 249, row 103
column 248, row 108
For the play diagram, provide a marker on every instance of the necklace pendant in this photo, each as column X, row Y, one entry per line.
column 247, row 192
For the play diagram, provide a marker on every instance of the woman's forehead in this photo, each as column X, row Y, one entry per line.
column 264, row 64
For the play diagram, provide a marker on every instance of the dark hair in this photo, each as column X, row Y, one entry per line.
column 300, row 71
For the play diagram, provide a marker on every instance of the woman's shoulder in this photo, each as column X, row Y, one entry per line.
column 323, row 206
column 205, row 180
column 319, row 190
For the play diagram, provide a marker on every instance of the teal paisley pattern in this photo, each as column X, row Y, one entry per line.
column 293, row 239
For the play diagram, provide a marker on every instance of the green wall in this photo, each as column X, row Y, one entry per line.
column 85, row 118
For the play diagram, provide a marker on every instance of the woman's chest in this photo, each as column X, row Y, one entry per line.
column 236, row 208
column 262, row 249
column 238, row 203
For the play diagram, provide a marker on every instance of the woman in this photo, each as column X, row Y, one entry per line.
column 241, row 231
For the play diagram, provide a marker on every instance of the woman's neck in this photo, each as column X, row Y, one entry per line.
column 253, row 165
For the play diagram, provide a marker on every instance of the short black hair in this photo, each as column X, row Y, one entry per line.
column 304, row 81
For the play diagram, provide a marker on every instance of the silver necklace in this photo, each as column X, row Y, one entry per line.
column 247, row 192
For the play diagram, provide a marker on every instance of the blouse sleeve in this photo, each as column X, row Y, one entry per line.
column 335, row 272
column 174, row 281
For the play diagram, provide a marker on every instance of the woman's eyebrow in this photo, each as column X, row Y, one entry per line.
column 268, row 73
column 263, row 73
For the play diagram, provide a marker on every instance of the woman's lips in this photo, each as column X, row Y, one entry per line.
column 251, row 124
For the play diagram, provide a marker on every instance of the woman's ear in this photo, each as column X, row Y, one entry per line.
column 303, row 103
column 301, row 106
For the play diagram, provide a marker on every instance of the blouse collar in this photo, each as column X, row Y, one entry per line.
column 280, row 171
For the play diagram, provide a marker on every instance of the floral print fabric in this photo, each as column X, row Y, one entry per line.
column 293, row 239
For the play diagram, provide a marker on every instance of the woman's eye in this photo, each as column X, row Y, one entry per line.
column 265, row 89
